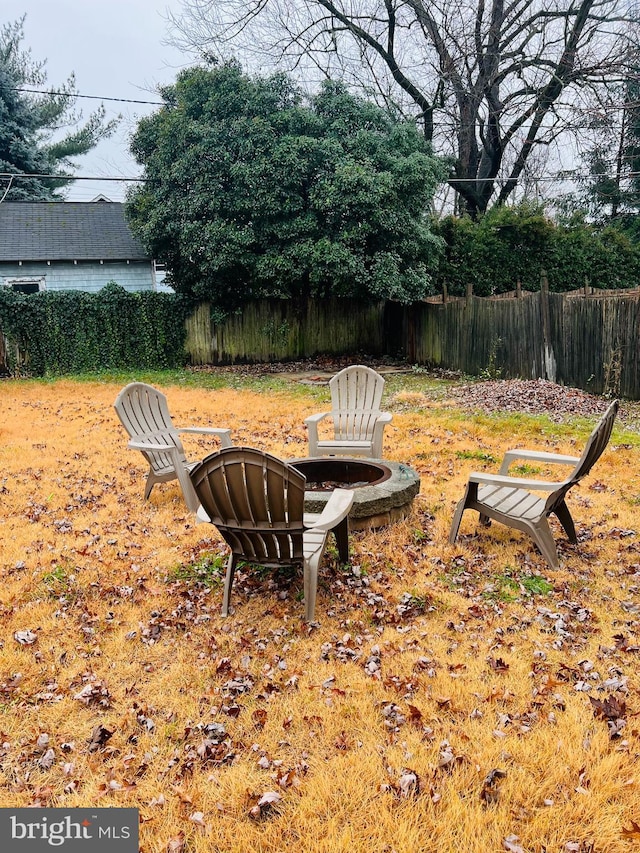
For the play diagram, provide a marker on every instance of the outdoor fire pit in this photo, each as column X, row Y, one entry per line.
column 383, row 490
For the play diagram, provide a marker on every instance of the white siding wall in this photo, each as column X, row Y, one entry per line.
column 85, row 275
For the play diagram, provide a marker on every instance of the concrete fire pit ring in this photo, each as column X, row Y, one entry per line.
column 383, row 490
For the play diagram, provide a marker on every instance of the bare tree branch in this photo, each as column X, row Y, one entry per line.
column 491, row 81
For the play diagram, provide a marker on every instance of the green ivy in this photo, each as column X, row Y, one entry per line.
column 59, row 332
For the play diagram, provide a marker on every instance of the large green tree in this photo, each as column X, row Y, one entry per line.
column 39, row 133
column 254, row 191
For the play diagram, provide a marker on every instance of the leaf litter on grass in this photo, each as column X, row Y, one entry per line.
column 431, row 671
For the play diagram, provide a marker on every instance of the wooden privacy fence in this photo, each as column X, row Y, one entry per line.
column 281, row 330
column 590, row 343
column 584, row 341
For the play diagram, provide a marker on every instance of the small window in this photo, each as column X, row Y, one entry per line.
column 25, row 285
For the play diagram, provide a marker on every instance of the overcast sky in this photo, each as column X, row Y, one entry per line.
column 116, row 49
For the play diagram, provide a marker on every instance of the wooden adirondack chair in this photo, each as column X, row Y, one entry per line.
column 257, row 503
column 513, row 502
column 358, row 423
column 144, row 413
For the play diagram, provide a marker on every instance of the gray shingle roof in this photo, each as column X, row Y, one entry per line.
column 68, row 230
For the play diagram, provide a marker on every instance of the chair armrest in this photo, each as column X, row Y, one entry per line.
column 311, row 424
column 223, row 434
column 536, row 456
column 514, row 482
column 381, row 420
column 336, row 509
column 374, row 414
column 315, row 419
column 152, row 444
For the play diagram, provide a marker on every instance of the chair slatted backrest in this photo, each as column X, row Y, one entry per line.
column 594, row 448
column 356, row 395
column 143, row 410
column 255, row 500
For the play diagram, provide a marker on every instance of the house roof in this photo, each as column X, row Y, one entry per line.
column 66, row 231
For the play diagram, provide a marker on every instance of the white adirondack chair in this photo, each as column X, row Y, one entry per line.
column 144, row 413
column 513, row 502
column 358, row 422
column 257, row 503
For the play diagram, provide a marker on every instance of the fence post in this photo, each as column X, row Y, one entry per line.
column 518, row 289
column 445, row 293
column 548, row 357
column 469, row 293
column 586, row 285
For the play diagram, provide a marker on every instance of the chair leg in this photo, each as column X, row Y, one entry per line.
column 564, row 517
column 310, row 586
column 542, row 536
column 188, row 491
column 228, row 581
column 151, row 481
column 341, row 533
column 457, row 518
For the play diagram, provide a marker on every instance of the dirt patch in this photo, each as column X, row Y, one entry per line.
column 311, row 370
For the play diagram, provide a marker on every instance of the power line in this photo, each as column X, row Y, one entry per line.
column 559, row 178
column 599, row 113
column 6, row 192
column 91, row 97
column 69, row 177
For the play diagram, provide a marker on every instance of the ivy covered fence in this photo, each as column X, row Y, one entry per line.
column 58, row 332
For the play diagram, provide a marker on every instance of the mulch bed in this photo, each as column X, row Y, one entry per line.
column 533, row 396
column 325, row 365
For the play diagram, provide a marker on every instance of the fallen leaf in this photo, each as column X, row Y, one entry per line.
column 99, row 736
column 611, row 708
column 490, row 792
column 634, row 832
column 25, row 638
column 259, row 718
column 415, row 715
column 269, row 798
column 408, row 784
column 176, row 844
column 182, row 794
column 342, row 741
column 47, row 760
column 510, row 843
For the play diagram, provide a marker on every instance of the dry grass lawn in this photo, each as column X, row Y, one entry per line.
column 449, row 699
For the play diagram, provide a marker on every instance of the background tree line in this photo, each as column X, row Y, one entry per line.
column 257, row 188
column 255, row 191
column 511, row 244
